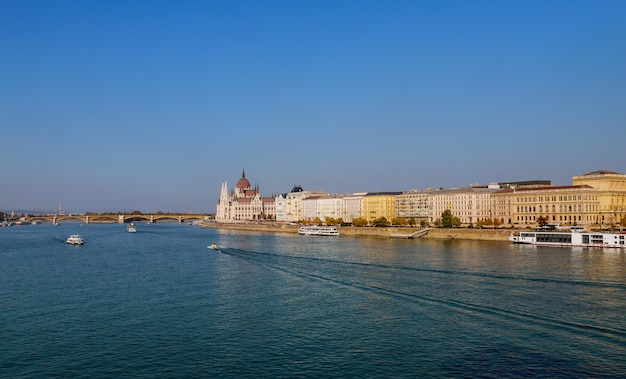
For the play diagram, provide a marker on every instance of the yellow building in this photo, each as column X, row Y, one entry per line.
column 611, row 187
column 379, row 204
column 563, row 205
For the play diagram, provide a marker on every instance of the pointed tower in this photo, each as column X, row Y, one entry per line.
column 223, row 205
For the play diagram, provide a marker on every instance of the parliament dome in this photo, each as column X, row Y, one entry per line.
column 243, row 183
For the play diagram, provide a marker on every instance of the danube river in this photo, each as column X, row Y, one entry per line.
column 158, row 303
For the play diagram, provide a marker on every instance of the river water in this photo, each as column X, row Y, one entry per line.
column 159, row 304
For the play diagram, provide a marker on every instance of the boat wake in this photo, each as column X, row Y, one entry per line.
column 418, row 286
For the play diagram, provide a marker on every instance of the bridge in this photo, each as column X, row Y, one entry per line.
column 117, row 218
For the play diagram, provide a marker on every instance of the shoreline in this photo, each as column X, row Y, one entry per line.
column 351, row 231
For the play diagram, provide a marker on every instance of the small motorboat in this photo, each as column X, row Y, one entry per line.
column 131, row 228
column 75, row 239
column 214, row 246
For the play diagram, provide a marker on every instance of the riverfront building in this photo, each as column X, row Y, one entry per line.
column 353, row 206
column 563, row 205
column 470, row 204
column 611, row 193
column 244, row 203
column 289, row 207
column 376, row 205
column 322, row 207
column 413, row 204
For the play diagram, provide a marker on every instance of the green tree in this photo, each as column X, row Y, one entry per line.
column 398, row 221
column 381, row 222
column 424, row 223
column 446, row 218
column 359, row 221
column 456, row 221
column 317, row 221
column 330, row 221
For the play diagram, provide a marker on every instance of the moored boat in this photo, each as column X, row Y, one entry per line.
column 314, row 230
column 75, row 239
column 573, row 238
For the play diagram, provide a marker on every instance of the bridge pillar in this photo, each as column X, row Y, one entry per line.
column 86, row 219
column 120, row 219
column 180, row 219
column 54, row 219
column 152, row 219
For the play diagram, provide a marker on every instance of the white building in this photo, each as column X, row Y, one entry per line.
column 244, row 203
column 289, row 207
column 353, row 206
column 322, row 207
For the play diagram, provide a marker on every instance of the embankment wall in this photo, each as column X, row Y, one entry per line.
column 435, row 233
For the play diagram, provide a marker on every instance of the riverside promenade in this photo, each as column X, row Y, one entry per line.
column 352, row 231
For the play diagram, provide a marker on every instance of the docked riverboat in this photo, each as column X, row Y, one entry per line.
column 314, row 230
column 75, row 239
column 573, row 238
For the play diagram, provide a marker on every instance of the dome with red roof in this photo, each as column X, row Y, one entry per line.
column 243, row 183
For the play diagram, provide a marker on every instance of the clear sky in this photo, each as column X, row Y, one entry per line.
column 150, row 105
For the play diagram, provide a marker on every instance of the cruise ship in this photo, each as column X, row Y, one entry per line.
column 315, row 230
column 573, row 238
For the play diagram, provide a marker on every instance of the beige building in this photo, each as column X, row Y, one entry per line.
column 379, row 204
column 289, row 207
column 611, row 192
column 563, row 205
column 470, row 204
column 412, row 204
column 501, row 204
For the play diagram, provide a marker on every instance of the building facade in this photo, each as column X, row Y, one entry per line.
column 244, row 203
column 354, row 206
column 611, row 192
column 413, row 204
column 376, row 205
column 563, row 205
column 470, row 205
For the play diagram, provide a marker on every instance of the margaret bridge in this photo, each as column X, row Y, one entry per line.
column 118, row 218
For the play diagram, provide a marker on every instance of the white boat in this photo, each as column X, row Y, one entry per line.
column 315, row 230
column 131, row 228
column 214, row 246
column 573, row 238
column 75, row 239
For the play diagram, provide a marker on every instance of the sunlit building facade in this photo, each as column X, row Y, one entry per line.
column 244, row 203
column 413, row 204
column 376, row 205
column 611, row 192
column 562, row 205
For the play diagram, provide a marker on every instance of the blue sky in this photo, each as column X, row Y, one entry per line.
column 150, row 105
